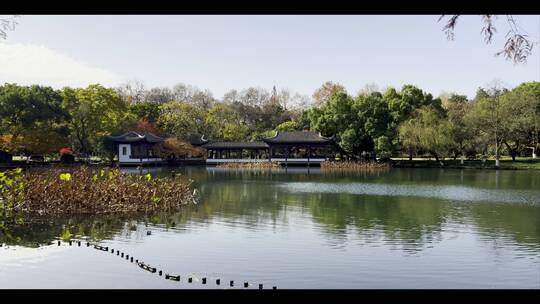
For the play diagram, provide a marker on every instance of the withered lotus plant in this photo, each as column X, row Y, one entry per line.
column 354, row 165
column 254, row 165
column 85, row 190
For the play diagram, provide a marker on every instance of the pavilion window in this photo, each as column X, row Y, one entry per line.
column 140, row 151
column 135, row 151
column 279, row 152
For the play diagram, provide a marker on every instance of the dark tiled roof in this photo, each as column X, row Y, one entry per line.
column 298, row 137
column 197, row 140
column 130, row 137
column 235, row 145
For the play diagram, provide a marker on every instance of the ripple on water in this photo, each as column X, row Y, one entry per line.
column 451, row 193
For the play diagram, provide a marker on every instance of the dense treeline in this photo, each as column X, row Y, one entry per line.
column 413, row 122
column 38, row 120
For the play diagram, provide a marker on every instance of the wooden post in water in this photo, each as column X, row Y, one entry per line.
column 308, row 156
column 286, row 155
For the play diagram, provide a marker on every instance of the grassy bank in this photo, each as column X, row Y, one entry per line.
column 84, row 190
column 506, row 164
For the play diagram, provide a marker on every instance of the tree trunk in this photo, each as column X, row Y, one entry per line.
column 410, row 154
column 513, row 152
column 534, row 153
column 436, row 156
column 462, row 158
column 497, row 161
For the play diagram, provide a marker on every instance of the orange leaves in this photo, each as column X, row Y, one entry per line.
column 172, row 148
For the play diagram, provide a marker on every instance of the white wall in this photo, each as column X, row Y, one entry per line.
column 125, row 158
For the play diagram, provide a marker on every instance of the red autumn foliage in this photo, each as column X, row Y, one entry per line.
column 66, row 151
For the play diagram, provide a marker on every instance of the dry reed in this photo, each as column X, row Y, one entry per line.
column 355, row 165
column 255, row 165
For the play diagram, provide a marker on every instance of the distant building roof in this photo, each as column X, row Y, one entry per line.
column 197, row 140
column 132, row 136
column 298, row 137
column 235, row 145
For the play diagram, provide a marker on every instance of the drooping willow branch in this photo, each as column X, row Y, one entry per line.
column 7, row 24
column 518, row 45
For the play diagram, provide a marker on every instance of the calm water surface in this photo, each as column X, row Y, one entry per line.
column 406, row 228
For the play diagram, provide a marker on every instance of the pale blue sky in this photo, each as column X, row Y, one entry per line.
column 220, row 53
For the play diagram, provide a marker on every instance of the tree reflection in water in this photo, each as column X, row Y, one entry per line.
column 252, row 199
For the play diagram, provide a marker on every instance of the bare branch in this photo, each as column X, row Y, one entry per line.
column 7, row 24
column 517, row 47
column 488, row 30
column 450, row 25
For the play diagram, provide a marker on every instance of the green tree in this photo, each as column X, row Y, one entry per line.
column 225, row 124
column 410, row 137
column 427, row 130
column 520, row 108
column 182, row 120
column 457, row 108
column 146, row 110
column 410, row 98
column 95, row 112
column 337, row 117
column 303, row 121
column 32, row 119
column 376, row 121
column 490, row 118
column 287, row 126
column 530, row 92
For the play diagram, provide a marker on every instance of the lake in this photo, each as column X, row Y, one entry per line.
column 302, row 228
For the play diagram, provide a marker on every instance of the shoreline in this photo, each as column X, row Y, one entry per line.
column 528, row 164
column 532, row 165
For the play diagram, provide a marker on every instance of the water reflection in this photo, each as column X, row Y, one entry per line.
column 451, row 193
column 408, row 210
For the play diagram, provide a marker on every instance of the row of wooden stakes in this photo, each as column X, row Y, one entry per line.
column 153, row 269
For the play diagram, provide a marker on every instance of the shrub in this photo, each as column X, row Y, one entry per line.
column 172, row 149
